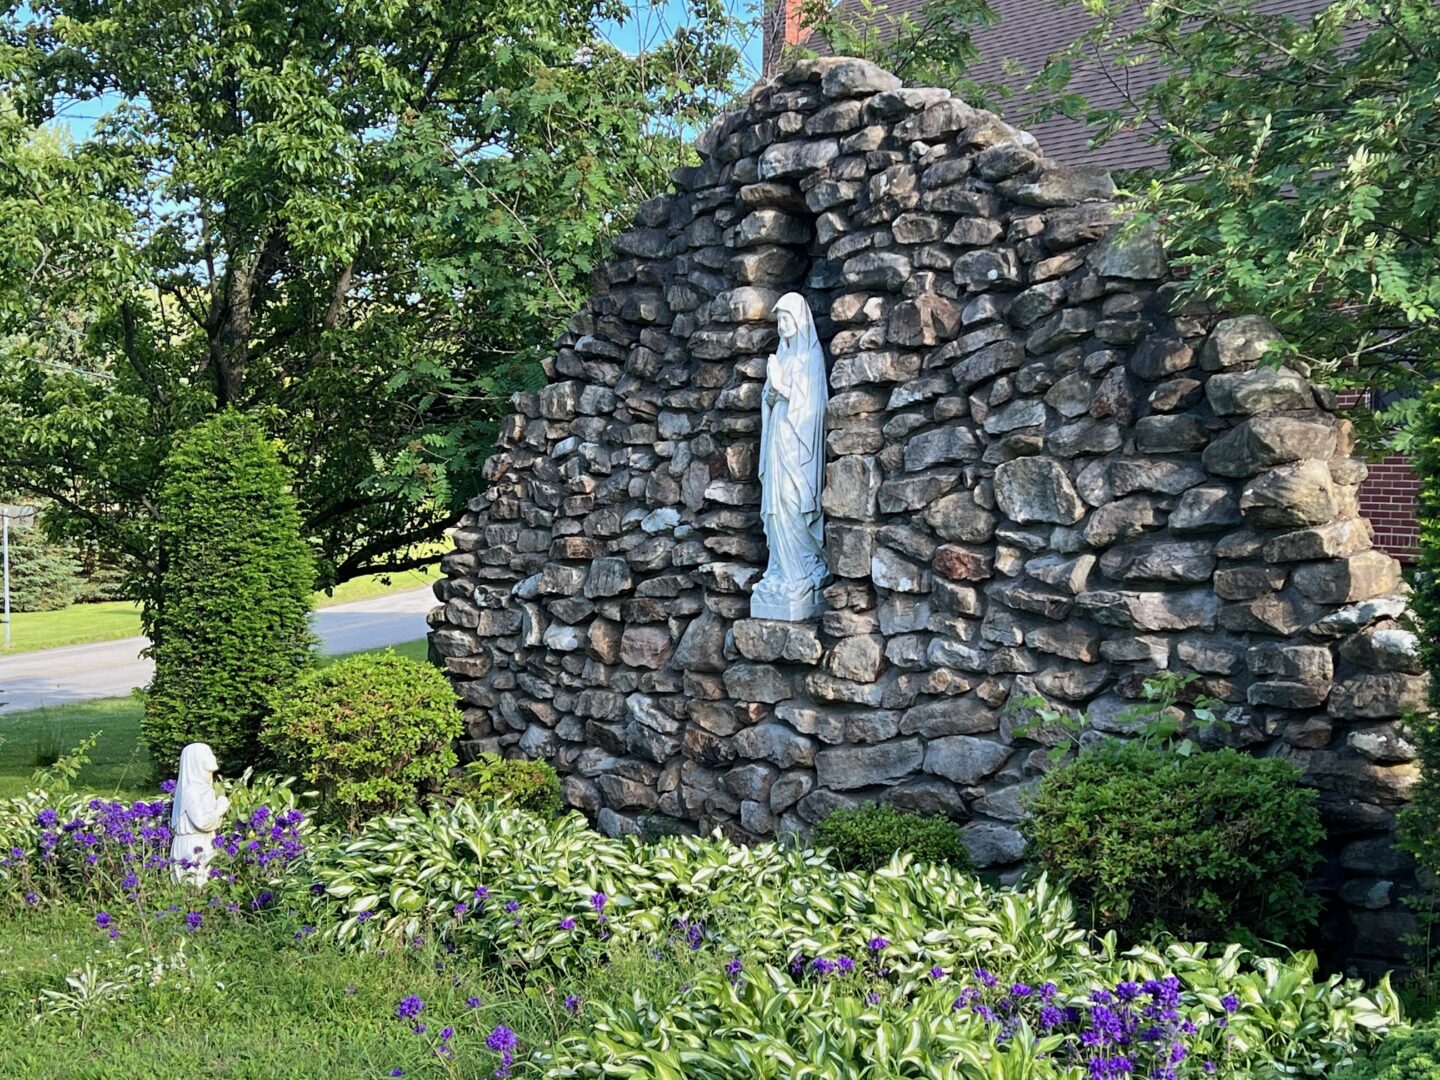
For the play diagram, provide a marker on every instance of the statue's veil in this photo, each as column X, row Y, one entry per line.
column 194, row 793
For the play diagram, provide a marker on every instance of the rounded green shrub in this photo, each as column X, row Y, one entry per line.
column 1200, row 845
column 372, row 733
column 518, row 782
column 229, row 617
column 1406, row 1054
column 868, row 837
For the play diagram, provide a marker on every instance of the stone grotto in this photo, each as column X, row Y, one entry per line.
column 1043, row 477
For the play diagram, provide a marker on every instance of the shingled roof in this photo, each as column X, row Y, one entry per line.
column 1031, row 30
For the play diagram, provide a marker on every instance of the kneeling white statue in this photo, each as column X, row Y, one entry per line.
column 792, row 469
column 196, row 814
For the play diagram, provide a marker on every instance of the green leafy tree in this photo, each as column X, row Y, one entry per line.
column 229, row 625
column 1304, row 166
column 929, row 45
column 357, row 223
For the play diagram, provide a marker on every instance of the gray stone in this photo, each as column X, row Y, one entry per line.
column 775, row 743
column 1337, row 539
column 849, row 767
column 1260, row 390
column 1179, row 562
column 702, row 646
column 1378, row 696
column 1192, row 609
column 1121, row 520
column 646, row 646
column 1345, row 580
column 608, row 577
column 1290, row 496
column 992, row 845
column 1384, row 648
column 1388, row 744
column 789, row 789
column 756, row 682
column 964, row 759
column 965, row 715
column 927, row 795
column 957, row 517
column 845, row 77
column 851, row 487
column 1263, row 442
column 1238, row 342
column 1037, row 489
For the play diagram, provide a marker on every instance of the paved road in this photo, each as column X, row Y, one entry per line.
column 114, row 668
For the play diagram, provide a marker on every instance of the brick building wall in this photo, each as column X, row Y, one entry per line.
column 1388, row 495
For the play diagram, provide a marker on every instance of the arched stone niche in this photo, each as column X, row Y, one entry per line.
column 1043, row 479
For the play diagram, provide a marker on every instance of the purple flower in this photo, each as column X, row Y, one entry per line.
column 1020, row 990
column 472, row 1002
column 845, row 964
column 937, row 973
column 31, row 899
column 447, row 1033
column 102, row 920
column 598, row 900
column 193, row 920
column 572, row 1004
column 876, row 944
column 47, row 818
column 512, row 906
column 567, row 923
column 503, row 1042
column 419, row 1029
column 1230, row 1003
column 732, row 969
column 167, row 786
column 986, row 978
column 410, row 1007
column 821, row 966
column 501, row 1039
column 397, row 1071
column 460, row 909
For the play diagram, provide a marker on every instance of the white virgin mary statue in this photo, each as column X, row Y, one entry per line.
column 792, row 469
column 195, row 815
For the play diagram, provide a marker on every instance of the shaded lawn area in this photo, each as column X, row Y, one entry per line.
column 84, row 624
column 119, row 764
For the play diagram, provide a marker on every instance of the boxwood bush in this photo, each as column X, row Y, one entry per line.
column 869, row 836
column 1200, row 845
column 518, row 782
column 1406, row 1054
column 372, row 732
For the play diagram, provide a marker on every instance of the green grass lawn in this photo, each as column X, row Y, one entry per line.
column 83, row 624
column 119, row 764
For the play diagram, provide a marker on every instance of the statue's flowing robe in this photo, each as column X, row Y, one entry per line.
column 792, row 455
column 195, row 814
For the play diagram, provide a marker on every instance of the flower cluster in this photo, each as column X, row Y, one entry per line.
column 1134, row 1028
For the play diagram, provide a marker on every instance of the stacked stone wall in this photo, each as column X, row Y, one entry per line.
column 1044, row 479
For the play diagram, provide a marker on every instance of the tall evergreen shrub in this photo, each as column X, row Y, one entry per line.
column 43, row 576
column 1419, row 831
column 229, row 621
